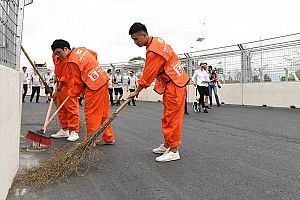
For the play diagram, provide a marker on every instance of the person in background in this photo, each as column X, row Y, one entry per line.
column 200, row 80
column 36, row 84
column 212, row 85
column 49, row 79
column 25, row 83
column 131, row 85
column 186, row 107
column 163, row 66
column 118, row 86
column 110, row 87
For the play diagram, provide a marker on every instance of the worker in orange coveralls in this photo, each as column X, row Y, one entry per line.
column 68, row 115
column 163, row 65
column 85, row 72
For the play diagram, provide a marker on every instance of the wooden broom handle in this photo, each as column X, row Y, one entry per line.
column 48, row 122
column 49, row 110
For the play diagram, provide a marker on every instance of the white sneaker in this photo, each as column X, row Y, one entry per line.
column 73, row 136
column 160, row 149
column 168, row 156
column 61, row 134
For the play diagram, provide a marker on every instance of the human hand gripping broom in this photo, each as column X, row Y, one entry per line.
column 64, row 162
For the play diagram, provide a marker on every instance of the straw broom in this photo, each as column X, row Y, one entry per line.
column 63, row 163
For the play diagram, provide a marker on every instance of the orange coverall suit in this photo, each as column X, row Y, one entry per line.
column 173, row 96
column 68, row 115
column 85, row 72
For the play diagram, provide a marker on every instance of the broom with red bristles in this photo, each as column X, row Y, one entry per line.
column 42, row 138
column 39, row 136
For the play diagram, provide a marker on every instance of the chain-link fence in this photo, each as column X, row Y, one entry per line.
column 8, row 32
column 269, row 60
column 125, row 67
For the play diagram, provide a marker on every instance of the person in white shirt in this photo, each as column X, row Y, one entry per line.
column 25, row 83
column 131, row 85
column 118, row 86
column 36, row 84
column 201, row 79
column 49, row 79
column 110, row 87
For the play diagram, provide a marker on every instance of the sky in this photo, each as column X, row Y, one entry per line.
column 102, row 25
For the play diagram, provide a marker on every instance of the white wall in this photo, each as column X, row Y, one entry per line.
column 281, row 94
column 10, row 124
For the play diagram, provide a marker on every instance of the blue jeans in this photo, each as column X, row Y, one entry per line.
column 212, row 87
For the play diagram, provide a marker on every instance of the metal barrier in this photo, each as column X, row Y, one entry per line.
column 269, row 60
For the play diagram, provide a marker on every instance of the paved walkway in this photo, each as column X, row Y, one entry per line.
column 233, row 152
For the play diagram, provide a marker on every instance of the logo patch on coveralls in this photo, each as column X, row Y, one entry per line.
column 93, row 75
column 179, row 69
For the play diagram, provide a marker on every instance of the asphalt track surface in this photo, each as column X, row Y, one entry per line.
column 233, row 152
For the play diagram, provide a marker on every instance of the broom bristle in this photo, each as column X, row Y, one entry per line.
column 60, row 165
column 39, row 138
column 63, row 163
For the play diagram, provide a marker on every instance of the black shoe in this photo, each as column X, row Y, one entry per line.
column 195, row 107
column 186, row 113
column 23, row 101
column 134, row 105
column 208, row 107
column 37, row 102
column 205, row 111
column 30, row 100
column 218, row 105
